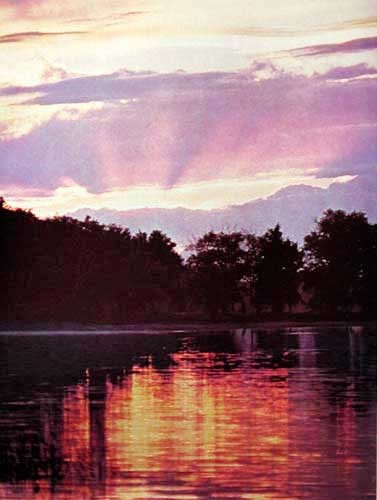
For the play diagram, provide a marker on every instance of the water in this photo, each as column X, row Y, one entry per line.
column 285, row 414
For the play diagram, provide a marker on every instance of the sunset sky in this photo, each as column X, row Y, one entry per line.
column 200, row 104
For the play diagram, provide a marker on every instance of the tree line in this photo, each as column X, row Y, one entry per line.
column 63, row 269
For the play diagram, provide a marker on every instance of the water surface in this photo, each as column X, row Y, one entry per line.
column 240, row 414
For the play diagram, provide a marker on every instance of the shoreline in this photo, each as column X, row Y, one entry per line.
column 170, row 326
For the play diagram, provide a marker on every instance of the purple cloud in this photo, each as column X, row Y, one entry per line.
column 361, row 158
column 120, row 85
column 356, row 45
column 189, row 127
column 344, row 72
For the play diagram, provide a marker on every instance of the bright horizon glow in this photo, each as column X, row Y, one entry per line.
column 199, row 196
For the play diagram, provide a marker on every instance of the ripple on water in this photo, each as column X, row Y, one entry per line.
column 241, row 414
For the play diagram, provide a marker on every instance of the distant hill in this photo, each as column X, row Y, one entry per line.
column 294, row 207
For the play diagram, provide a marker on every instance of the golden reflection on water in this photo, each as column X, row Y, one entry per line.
column 206, row 426
column 194, row 427
column 76, row 431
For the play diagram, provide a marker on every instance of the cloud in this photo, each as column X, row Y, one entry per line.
column 53, row 73
column 119, row 85
column 295, row 208
column 364, row 22
column 345, row 72
column 18, row 3
column 31, row 35
column 296, row 30
column 200, row 195
column 177, row 128
column 356, row 45
column 361, row 157
column 110, row 19
column 70, row 11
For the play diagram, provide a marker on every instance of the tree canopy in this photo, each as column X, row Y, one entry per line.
column 64, row 269
column 341, row 257
column 217, row 265
column 276, row 270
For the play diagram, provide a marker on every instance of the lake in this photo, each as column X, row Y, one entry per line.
column 285, row 414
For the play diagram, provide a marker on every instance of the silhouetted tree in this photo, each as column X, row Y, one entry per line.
column 274, row 265
column 341, row 257
column 217, row 266
column 368, row 297
column 19, row 248
column 155, row 271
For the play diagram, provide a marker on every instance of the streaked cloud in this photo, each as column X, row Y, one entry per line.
column 31, row 35
column 357, row 45
column 120, row 85
column 297, row 31
column 347, row 72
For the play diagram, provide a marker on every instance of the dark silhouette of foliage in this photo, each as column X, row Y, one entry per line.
column 341, row 259
column 63, row 269
column 216, row 268
column 70, row 270
column 275, row 264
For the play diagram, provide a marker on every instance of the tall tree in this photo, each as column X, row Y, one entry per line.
column 217, row 266
column 275, row 266
column 341, row 255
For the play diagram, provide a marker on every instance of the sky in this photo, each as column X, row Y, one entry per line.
column 200, row 104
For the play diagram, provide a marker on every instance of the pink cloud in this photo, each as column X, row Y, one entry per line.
column 344, row 72
column 176, row 128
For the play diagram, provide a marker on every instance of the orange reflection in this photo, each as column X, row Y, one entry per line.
column 199, row 427
column 205, row 423
column 75, row 436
